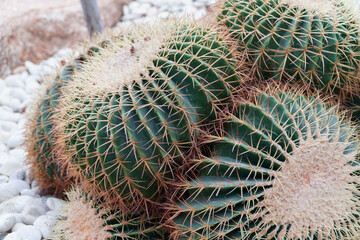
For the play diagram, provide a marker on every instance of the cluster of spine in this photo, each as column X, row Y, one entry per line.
column 298, row 40
column 83, row 217
column 129, row 117
column 284, row 168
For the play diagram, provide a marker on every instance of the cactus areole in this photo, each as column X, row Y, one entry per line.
column 307, row 41
column 284, row 169
column 129, row 116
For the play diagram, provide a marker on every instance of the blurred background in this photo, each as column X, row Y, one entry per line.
column 34, row 30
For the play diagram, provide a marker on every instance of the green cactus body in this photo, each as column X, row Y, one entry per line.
column 41, row 137
column 283, row 169
column 307, row 41
column 130, row 115
column 83, row 218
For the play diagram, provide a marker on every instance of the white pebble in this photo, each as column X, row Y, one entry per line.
column 12, row 236
column 2, row 85
column 19, row 174
column 19, row 185
column 17, row 226
column 19, row 93
column 7, row 221
column 27, row 192
column 14, row 81
column 7, row 114
column 4, row 179
column 7, row 125
column 55, row 215
column 44, row 224
column 54, row 203
column 7, row 191
column 25, row 200
column 3, row 147
column 9, row 206
column 28, row 233
column 31, row 213
column 32, row 68
column 8, row 164
column 31, row 84
column 15, row 140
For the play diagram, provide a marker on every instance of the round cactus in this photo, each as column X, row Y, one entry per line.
column 130, row 115
column 284, row 168
column 40, row 136
column 307, row 41
column 85, row 218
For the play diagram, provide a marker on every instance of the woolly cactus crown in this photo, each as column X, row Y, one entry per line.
column 83, row 217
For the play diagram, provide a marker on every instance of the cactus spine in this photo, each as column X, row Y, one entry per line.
column 129, row 116
column 85, row 218
column 40, row 137
column 307, row 41
column 284, row 168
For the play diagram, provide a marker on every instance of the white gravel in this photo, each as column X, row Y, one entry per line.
column 24, row 214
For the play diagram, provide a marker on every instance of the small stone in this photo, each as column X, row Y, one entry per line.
column 14, row 81
column 24, row 201
column 28, row 233
column 3, row 148
column 7, row 191
column 54, row 215
column 9, row 206
column 19, row 93
column 7, row 125
column 19, row 174
column 36, row 190
column 31, row 213
column 7, row 221
column 19, row 185
column 4, row 179
column 54, row 203
column 12, row 236
column 8, row 164
column 18, row 153
column 7, row 114
column 15, row 140
column 27, row 192
column 44, row 224
column 17, row 226
column 32, row 68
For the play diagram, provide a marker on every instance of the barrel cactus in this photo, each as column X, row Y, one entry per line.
column 83, row 217
column 284, row 168
column 307, row 41
column 40, row 136
column 130, row 115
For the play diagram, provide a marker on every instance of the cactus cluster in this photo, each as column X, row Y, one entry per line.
column 284, row 168
column 164, row 131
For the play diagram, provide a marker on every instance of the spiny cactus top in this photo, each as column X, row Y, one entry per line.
column 85, row 218
column 285, row 168
column 301, row 40
column 131, row 113
column 40, row 136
